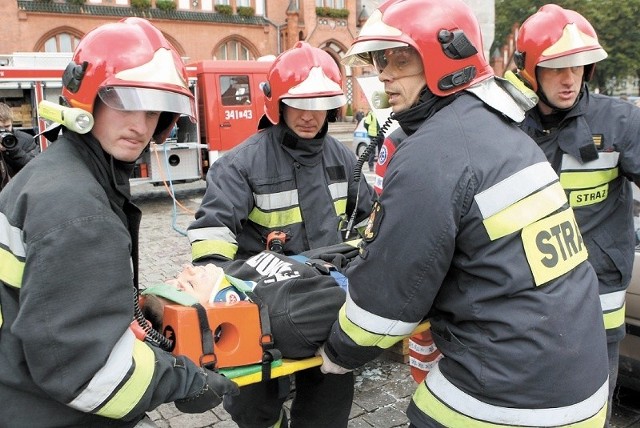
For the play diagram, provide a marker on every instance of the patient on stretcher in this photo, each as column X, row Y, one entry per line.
column 303, row 296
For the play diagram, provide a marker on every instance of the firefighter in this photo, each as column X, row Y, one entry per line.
column 373, row 128
column 69, row 234
column 474, row 232
column 290, row 177
column 593, row 143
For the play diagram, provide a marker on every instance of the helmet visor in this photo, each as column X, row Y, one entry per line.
column 318, row 103
column 145, row 99
column 399, row 58
column 359, row 53
column 575, row 60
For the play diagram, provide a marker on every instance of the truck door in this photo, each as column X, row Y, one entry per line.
column 238, row 112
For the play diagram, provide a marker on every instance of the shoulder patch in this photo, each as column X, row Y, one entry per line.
column 597, row 140
column 375, row 218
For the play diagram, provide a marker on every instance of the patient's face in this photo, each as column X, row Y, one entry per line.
column 198, row 281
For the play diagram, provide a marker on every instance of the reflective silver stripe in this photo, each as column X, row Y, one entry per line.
column 604, row 161
column 338, row 190
column 107, row 379
column 612, row 301
column 375, row 323
column 465, row 404
column 514, row 188
column 211, row 233
column 11, row 237
column 276, row 201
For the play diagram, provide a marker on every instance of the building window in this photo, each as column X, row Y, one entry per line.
column 223, row 2
column 243, row 3
column 233, row 49
column 333, row 4
column 63, row 42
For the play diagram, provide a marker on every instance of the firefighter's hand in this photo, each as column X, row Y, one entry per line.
column 215, row 388
column 328, row 366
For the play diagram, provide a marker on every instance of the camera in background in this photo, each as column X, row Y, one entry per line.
column 7, row 139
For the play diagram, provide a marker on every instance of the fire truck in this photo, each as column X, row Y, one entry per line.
column 229, row 104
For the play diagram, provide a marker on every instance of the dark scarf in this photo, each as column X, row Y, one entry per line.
column 304, row 150
column 428, row 104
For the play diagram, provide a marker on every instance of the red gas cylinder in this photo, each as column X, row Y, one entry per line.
column 423, row 355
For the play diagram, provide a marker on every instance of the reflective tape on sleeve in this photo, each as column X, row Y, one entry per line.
column 452, row 407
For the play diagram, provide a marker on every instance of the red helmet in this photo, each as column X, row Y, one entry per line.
column 446, row 34
column 303, row 77
column 554, row 37
column 130, row 66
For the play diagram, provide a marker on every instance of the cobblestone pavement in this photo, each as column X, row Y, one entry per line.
column 383, row 387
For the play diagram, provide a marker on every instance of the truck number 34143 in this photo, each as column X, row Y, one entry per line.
column 238, row 114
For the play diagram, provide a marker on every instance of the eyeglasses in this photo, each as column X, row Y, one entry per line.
column 400, row 59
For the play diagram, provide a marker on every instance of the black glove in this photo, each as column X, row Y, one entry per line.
column 211, row 394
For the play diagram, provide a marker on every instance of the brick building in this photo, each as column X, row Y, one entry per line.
column 205, row 29
column 199, row 29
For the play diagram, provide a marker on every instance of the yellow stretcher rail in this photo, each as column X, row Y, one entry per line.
column 291, row 366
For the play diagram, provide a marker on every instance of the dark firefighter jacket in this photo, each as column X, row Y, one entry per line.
column 474, row 232
column 596, row 151
column 68, row 261
column 275, row 181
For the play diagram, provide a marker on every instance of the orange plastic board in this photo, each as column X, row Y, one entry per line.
column 236, row 328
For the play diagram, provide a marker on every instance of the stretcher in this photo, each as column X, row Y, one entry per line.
column 231, row 338
column 248, row 375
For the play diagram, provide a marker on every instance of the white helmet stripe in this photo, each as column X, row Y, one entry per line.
column 161, row 69
column 316, row 83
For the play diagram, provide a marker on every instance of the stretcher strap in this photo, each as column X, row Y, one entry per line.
column 269, row 353
column 206, row 338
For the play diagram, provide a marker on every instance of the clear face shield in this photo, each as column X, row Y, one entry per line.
column 403, row 60
column 146, row 99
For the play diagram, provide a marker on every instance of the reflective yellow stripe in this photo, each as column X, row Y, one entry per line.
column 200, row 249
column 353, row 242
column 452, row 407
column 587, row 179
column 368, row 329
column 585, row 197
column 12, row 253
column 340, row 206
column 615, row 318
column 525, row 211
column 553, row 246
column 277, row 210
column 280, row 422
column 276, row 219
column 11, row 269
column 366, row 338
column 110, row 376
column 133, row 390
